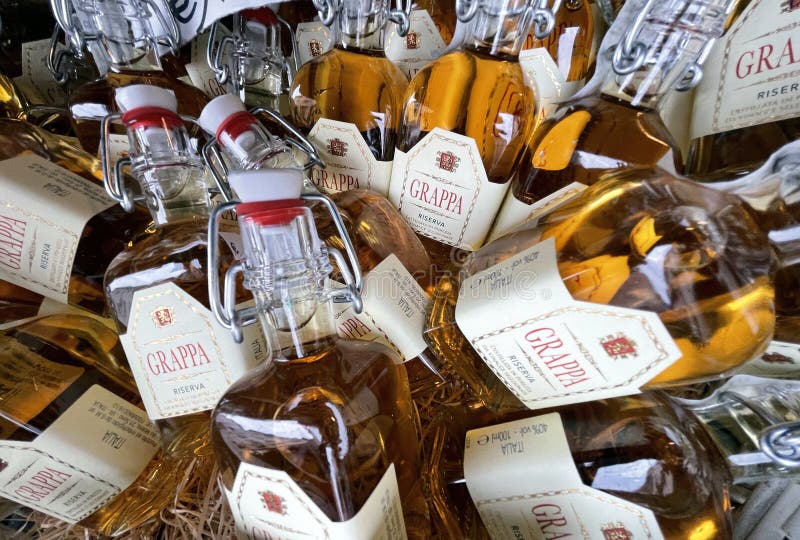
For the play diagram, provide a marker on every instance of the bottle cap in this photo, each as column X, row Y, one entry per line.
column 137, row 96
column 267, row 185
column 218, row 110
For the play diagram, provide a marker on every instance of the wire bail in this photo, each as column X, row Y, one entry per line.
column 235, row 319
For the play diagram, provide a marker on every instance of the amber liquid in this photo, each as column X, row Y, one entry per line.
column 103, row 237
column 377, row 230
column 442, row 14
column 358, row 86
column 349, row 375
column 723, row 156
column 573, row 33
column 93, row 101
column 646, row 241
column 684, row 483
column 475, row 93
column 87, row 347
column 587, row 139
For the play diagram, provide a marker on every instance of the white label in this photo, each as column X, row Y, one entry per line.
column 313, row 39
column 349, row 163
column 199, row 73
column 780, row 359
column 43, row 210
column 548, row 83
column 441, row 188
column 195, row 16
column 267, row 503
column 181, row 358
column 515, row 212
column 752, row 75
column 36, row 81
column 90, row 454
column 394, row 310
column 550, row 349
column 525, row 485
column 422, row 44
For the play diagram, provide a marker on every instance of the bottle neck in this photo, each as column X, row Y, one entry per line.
column 500, row 28
column 135, row 60
column 754, row 424
column 655, row 58
column 248, row 146
column 171, row 175
column 298, row 331
column 361, row 27
column 287, row 267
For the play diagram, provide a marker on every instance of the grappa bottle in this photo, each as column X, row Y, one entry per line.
column 559, row 64
column 75, row 443
column 348, row 100
column 636, row 467
column 397, row 268
column 432, row 24
column 257, row 71
column 618, row 124
column 772, row 193
column 125, row 31
column 321, row 440
column 748, row 104
column 181, row 358
column 643, row 280
column 466, row 117
column 58, row 228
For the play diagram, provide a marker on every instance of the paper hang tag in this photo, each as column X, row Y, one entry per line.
column 422, row 44
column 196, row 16
column 525, row 485
column 43, row 211
column 349, row 163
column 36, row 81
column 394, row 310
column 312, row 39
column 441, row 188
column 751, row 76
column 268, row 503
column 90, row 454
column 183, row 360
column 549, row 349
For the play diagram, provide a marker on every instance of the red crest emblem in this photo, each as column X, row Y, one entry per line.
column 618, row 346
column 273, row 503
column 776, row 358
column 790, row 5
column 3, row 465
column 163, row 316
column 315, row 47
column 412, row 40
column 447, row 161
column 337, row 147
column 615, row 531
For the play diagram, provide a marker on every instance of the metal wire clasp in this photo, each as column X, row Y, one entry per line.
column 114, row 176
column 216, row 164
column 224, row 308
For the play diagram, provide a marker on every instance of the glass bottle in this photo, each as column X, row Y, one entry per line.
column 465, row 119
column 322, row 438
column 258, row 71
column 432, row 24
column 746, row 106
column 59, row 229
column 348, row 100
column 772, row 193
column 617, row 124
column 641, row 462
column 379, row 235
column 21, row 21
column 559, row 64
column 642, row 280
column 127, row 31
column 76, row 444
column 181, row 359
